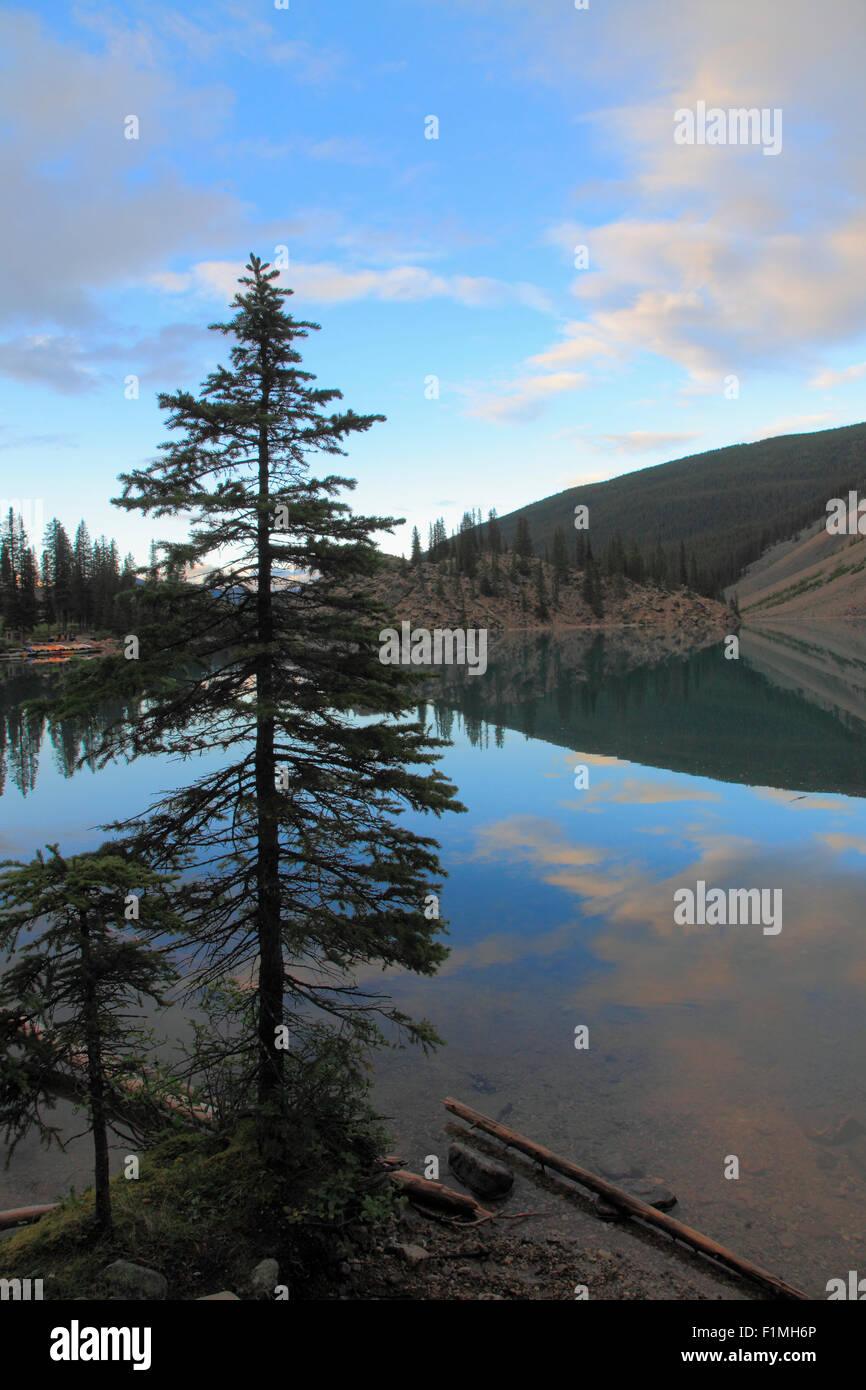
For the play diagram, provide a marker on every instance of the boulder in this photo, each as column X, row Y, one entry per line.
column 653, row 1193
column 128, row 1280
column 265, row 1276
column 413, row 1255
column 484, row 1176
column 225, row 1297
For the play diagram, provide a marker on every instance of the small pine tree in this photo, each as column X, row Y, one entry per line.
column 416, row 548
column 580, row 550
column 592, row 589
column 542, row 611
column 560, row 555
column 523, row 539
column 65, row 997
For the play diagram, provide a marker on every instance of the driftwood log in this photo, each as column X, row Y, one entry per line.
column 626, row 1202
column 437, row 1196
column 20, row 1216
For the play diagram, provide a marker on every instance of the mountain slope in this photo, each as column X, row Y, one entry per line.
column 813, row 576
column 727, row 505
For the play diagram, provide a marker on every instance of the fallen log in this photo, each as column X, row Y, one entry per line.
column 436, row 1195
column 626, row 1202
column 20, row 1216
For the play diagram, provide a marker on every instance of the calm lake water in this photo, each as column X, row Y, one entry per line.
column 704, row 1041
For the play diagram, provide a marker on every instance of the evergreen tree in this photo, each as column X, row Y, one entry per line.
column 297, row 871
column 128, row 578
column 18, row 576
column 523, row 547
column 416, row 548
column 591, row 591
column 467, row 547
column 57, row 573
column 82, row 571
column 542, row 611
column 494, row 535
column 634, row 563
column 523, row 539
column 580, row 550
column 28, row 579
column 9, row 571
column 66, row 996
column 659, row 565
column 439, row 543
column 560, row 555
column 615, row 558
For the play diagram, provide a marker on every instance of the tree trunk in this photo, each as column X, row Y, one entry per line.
column 270, row 1076
column 95, row 1084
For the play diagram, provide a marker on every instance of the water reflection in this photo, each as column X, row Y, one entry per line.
column 704, row 1042
column 791, row 712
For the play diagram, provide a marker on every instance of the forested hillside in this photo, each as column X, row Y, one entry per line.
column 722, row 508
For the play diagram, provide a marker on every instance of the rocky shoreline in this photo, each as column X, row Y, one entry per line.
column 422, row 1259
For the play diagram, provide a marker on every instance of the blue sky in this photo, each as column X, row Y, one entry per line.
column 452, row 257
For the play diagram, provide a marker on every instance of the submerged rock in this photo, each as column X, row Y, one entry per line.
column 485, row 1176
column 617, row 1166
column 646, row 1189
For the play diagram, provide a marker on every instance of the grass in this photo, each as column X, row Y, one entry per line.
column 203, row 1212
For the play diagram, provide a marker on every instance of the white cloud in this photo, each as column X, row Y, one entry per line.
column 84, row 221
column 525, row 399
column 638, row 441
column 328, row 283
column 722, row 264
column 830, row 377
column 55, row 360
column 799, row 424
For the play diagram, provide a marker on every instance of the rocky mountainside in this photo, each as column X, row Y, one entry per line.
column 813, row 576
column 427, row 598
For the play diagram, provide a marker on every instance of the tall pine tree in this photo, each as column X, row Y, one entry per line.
column 298, row 870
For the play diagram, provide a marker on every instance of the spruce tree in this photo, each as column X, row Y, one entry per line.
column 467, row 546
column 297, row 870
column 580, row 550
column 560, row 555
column 57, row 572
column 523, row 543
column 416, row 548
column 542, row 611
column 76, row 973
column 28, row 579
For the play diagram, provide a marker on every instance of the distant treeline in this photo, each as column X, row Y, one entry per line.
column 709, row 515
column 72, row 586
column 478, row 550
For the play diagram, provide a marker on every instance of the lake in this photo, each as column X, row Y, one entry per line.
column 706, row 1043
